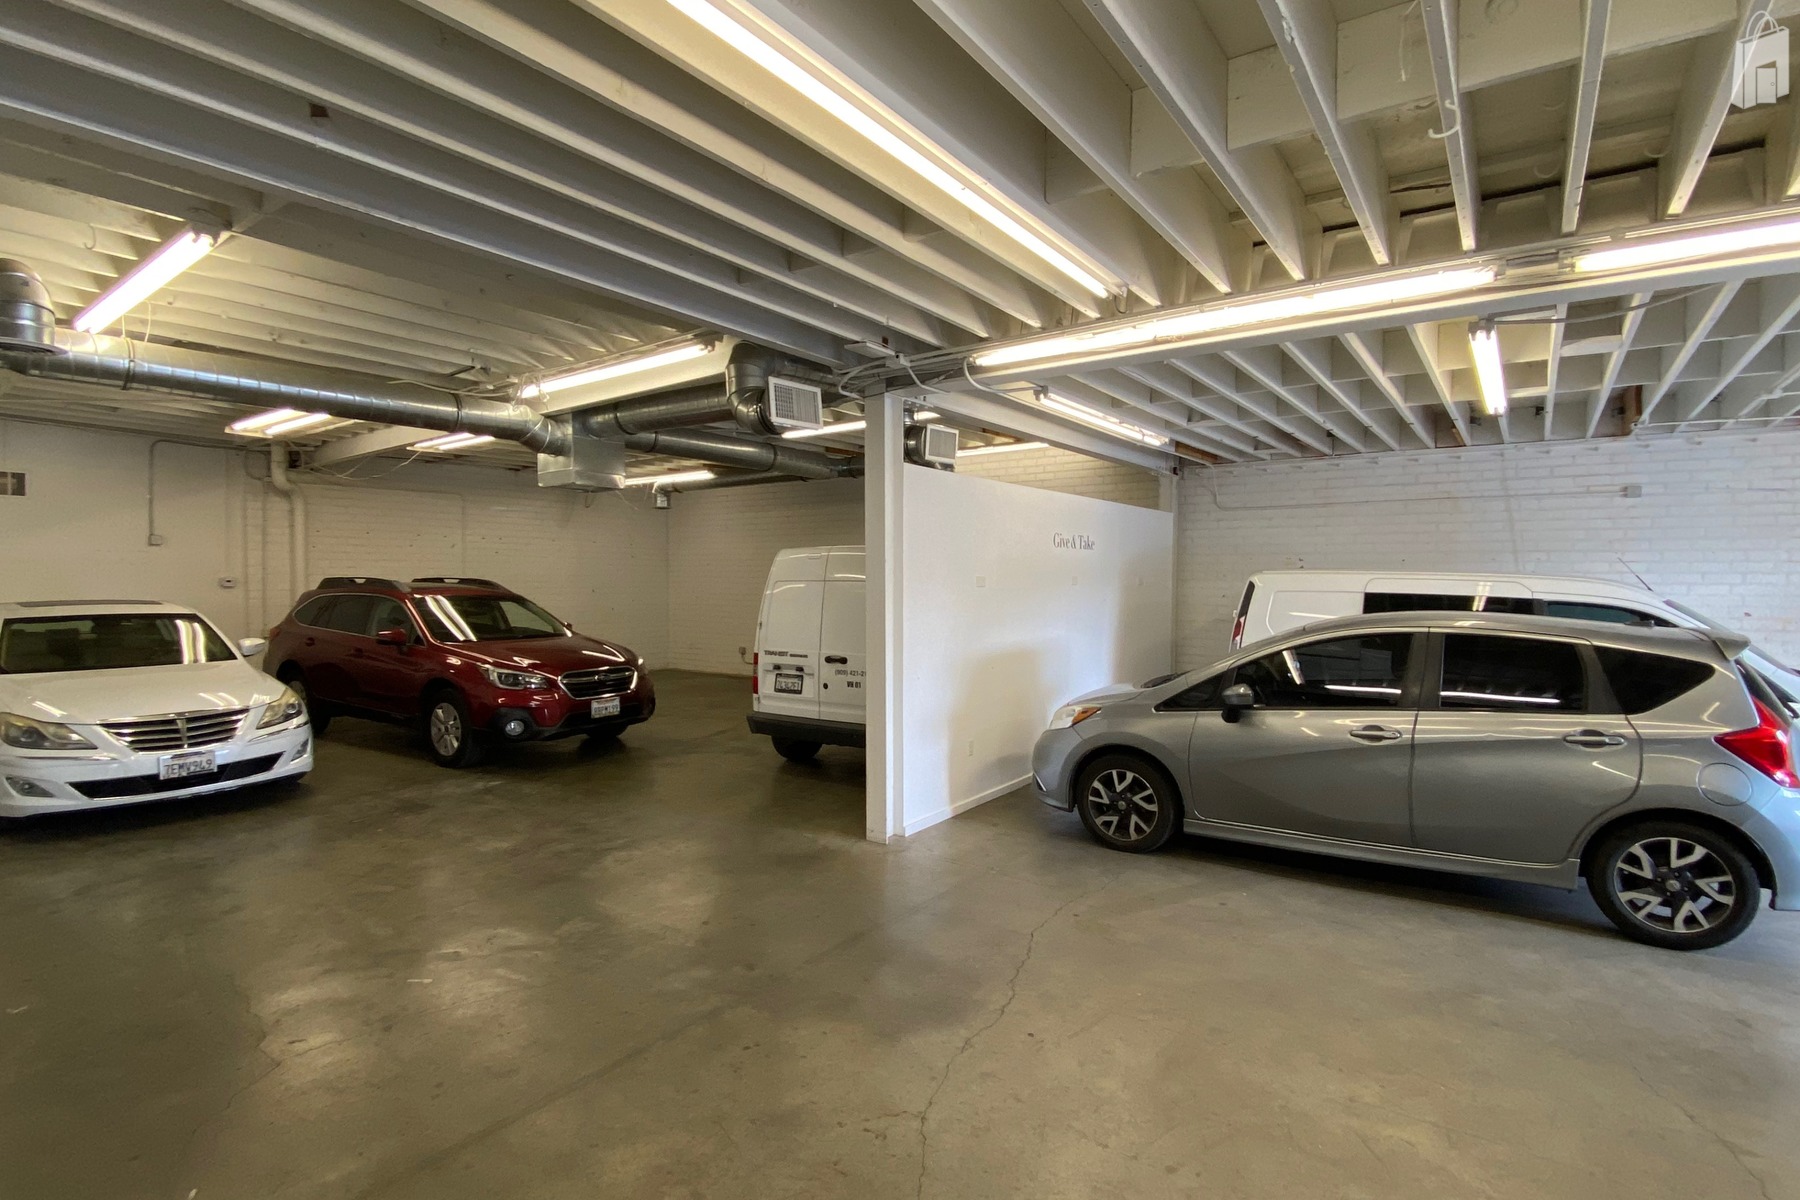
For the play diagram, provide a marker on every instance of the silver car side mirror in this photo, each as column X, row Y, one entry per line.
column 1235, row 699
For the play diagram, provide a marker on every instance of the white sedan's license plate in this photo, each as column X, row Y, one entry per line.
column 180, row 766
column 606, row 706
column 792, row 684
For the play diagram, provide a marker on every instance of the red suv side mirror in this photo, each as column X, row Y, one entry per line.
column 394, row 637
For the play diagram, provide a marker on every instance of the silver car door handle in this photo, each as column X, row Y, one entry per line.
column 1593, row 739
column 1375, row 733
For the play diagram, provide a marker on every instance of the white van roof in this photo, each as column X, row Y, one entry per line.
column 1360, row 581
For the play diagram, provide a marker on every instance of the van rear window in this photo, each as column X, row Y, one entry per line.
column 1392, row 602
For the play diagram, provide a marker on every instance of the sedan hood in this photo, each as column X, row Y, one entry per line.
column 552, row 655
column 91, row 697
column 1112, row 691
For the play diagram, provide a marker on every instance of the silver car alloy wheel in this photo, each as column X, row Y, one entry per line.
column 1122, row 803
column 446, row 728
column 1674, row 885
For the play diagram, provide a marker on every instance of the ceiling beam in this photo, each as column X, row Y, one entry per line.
column 1425, row 341
column 385, row 440
column 1778, row 302
column 1183, row 65
column 1368, row 351
column 1702, row 312
column 1636, row 306
column 1264, row 364
column 1307, row 33
column 1456, row 117
column 1027, row 421
column 1705, row 97
column 1583, row 106
column 1553, row 365
column 1222, row 378
column 1224, row 442
column 1185, row 388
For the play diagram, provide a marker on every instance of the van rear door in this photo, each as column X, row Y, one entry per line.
column 787, row 636
column 843, row 663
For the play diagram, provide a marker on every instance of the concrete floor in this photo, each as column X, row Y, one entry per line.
column 675, row 969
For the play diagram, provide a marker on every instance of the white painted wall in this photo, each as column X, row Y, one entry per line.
column 1001, row 624
column 720, row 546
column 82, row 530
column 1717, row 525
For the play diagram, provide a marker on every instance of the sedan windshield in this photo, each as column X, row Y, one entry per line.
column 108, row 641
column 486, row 618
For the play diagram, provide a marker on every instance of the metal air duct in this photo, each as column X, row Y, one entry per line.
column 27, row 322
column 722, row 449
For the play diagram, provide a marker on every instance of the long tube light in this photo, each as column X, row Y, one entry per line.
column 453, row 441
column 1308, row 303
column 1651, row 252
column 614, row 369
column 1104, row 422
column 741, row 38
column 150, row 276
column 1490, row 371
column 311, row 421
column 667, row 478
column 828, row 430
column 1002, row 448
column 262, row 420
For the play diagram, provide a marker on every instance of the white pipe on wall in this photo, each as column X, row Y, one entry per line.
column 278, row 479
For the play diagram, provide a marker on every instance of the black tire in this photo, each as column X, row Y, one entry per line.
column 450, row 736
column 317, row 715
column 1679, row 885
column 795, row 750
column 1128, row 803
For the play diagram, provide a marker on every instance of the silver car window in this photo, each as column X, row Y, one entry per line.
column 1511, row 674
column 1346, row 672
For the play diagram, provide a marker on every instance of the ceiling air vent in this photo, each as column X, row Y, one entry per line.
column 931, row 446
column 795, row 405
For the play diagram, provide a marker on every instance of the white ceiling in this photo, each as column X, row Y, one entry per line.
column 461, row 192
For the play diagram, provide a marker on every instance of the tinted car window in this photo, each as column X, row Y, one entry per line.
column 1354, row 672
column 1577, row 611
column 314, row 610
column 349, row 615
column 388, row 613
column 1511, row 674
column 1202, row 695
column 486, row 618
column 108, row 641
column 1641, row 682
column 1386, row 602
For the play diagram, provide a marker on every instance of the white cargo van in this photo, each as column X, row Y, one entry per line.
column 810, row 662
column 1277, row 601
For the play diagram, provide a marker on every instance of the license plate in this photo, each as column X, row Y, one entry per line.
column 180, row 766
column 792, row 684
column 606, row 706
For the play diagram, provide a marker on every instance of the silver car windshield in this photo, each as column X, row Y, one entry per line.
column 108, row 641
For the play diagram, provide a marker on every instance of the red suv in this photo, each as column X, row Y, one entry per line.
column 466, row 658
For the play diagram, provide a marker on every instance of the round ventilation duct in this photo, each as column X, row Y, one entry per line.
column 27, row 322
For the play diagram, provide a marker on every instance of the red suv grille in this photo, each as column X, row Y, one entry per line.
column 607, row 681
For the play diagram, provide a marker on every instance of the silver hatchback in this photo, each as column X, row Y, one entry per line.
column 1650, row 761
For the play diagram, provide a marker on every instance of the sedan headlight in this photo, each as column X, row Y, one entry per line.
column 1072, row 714
column 29, row 734
column 284, row 708
column 515, row 681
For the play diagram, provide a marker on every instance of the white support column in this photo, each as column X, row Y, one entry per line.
column 883, row 465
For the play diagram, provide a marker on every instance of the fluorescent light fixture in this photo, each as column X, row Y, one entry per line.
column 828, row 430
column 262, row 420
column 1002, row 448
column 1650, row 252
column 614, row 369
column 150, row 276
column 745, row 40
column 670, row 477
column 1311, row 302
column 454, row 441
column 304, row 421
column 1490, row 372
column 1104, row 422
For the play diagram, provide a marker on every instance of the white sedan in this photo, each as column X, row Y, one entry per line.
column 118, row 702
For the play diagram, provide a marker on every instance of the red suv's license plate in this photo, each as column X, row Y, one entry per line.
column 606, row 706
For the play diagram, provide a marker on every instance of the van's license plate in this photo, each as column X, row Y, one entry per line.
column 180, row 766
column 606, row 706
column 792, row 684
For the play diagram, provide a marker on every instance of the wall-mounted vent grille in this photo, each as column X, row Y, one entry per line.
column 12, row 483
column 795, row 405
column 931, row 446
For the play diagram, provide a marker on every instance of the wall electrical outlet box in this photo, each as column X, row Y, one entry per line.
column 227, row 582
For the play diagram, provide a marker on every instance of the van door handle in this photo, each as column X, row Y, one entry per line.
column 1375, row 733
column 836, row 658
column 1593, row 739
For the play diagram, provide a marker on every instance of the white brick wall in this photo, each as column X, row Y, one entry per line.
column 1062, row 471
column 1716, row 526
column 720, row 546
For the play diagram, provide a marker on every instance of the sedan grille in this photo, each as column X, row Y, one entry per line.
column 607, row 681
column 181, row 731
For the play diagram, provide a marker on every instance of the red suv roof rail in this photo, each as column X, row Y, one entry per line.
column 462, row 581
column 334, row 581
